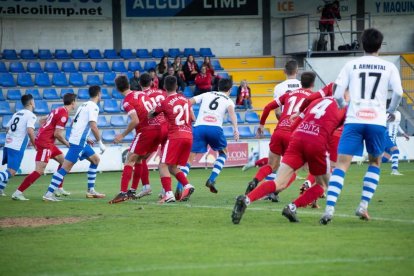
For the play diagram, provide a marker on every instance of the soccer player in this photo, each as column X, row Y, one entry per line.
column 309, row 143
column 45, row 144
column 20, row 127
column 84, row 122
column 177, row 111
column 208, row 128
column 368, row 79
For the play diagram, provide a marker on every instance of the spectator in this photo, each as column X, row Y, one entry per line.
column 190, row 69
column 162, row 67
column 171, row 72
column 244, row 95
column 330, row 12
column 134, row 82
column 178, row 68
column 155, row 81
column 202, row 82
column 210, row 68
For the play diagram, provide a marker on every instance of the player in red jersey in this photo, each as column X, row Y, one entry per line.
column 177, row 111
column 309, row 143
column 291, row 101
column 53, row 128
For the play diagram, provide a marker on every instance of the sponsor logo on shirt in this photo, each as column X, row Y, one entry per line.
column 9, row 140
column 367, row 114
column 63, row 119
column 309, row 128
column 210, row 119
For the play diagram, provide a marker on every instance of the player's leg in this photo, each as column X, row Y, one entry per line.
column 273, row 165
column 395, row 154
column 29, row 180
column 94, row 159
column 131, row 160
column 166, row 183
column 146, row 187
column 186, row 170
column 217, row 142
column 70, row 159
column 60, row 190
column 386, row 157
column 13, row 159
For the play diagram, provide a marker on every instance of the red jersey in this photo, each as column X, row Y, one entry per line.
column 326, row 91
column 137, row 101
column 156, row 96
column 176, row 109
column 203, row 81
column 291, row 101
column 56, row 119
column 155, row 83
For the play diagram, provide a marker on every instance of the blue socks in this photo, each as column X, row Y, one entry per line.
column 4, row 177
column 57, row 178
column 394, row 159
column 92, row 176
column 271, row 176
column 186, row 170
column 371, row 180
column 218, row 166
column 336, row 182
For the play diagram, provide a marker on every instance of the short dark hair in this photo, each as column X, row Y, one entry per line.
column 151, row 70
column 371, row 40
column 69, row 98
column 145, row 80
column 94, row 91
column 122, row 83
column 291, row 67
column 225, row 85
column 307, row 79
column 26, row 99
column 170, row 83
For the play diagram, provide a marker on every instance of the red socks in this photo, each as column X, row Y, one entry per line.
column 137, row 176
column 262, row 190
column 181, row 178
column 261, row 162
column 126, row 177
column 29, row 180
column 291, row 180
column 309, row 196
column 145, row 173
column 311, row 178
column 263, row 172
column 166, row 183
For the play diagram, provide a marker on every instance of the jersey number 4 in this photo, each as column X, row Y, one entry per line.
column 320, row 108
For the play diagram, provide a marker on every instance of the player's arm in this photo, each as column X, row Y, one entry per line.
column 93, row 119
column 341, row 84
column 132, row 124
column 400, row 130
column 233, row 119
column 31, row 133
column 269, row 107
column 395, row 83
column 58, row 134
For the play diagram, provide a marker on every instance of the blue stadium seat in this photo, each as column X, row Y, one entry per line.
column 252, row 117
column 239, row 118
column 266, row 132
column 109, row 78
column 110, row 54
column 116, row 94
column 108, row 135
column 130, row 137
column 199, row 63
column 76, row 79
column 174, row 52
column 1, row 95
column 190, row 51
column 14, row 94
column 93, row 80
column 149, row 64
column 228, row 131
column 27, row 54
column 245, row 132
column 143, row 53
column 34, row 67
column 83, row 94
column 44, row 54
column 119, row 66
column 78, row 54
column 59, row 79
column 126, row 54
column 105, row 94
column 18, row 106
column 216, row 64
column 35, row 93
column 61, row 54
column 223, row 75
column 157, row 53
column 102, row 122
column 118, row 121
column 42, row 79
column 206, row 52
column 51, row 67
column 6, row 119
column 16, row 67
column 10, row 54
column 68, row 67
column 7, row 80
column 50, row 94
column 94, row 54
column 64, row 91
column 2, row 138
column 24, row 79
column 41, row 107
column 102, row 66
column 3, row 68
column 111, row 106
column 134, row 66
column 233, row 92
column 56, row 105
column 5, row 108
column 188, row 92
column 85, row 66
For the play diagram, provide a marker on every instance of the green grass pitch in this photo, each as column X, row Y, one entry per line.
column 198, row 238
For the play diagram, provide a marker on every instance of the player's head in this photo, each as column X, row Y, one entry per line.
column 291, row 68
column 28, row 101
column 69, row 100
column 371, row 40
column 307, row 79
column 95, row 92
column 170, row 84
column 225, row 85
column 122, row 84
column 145, row 80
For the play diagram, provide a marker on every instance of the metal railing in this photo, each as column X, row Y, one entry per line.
column 407, row 105
column 319, row 83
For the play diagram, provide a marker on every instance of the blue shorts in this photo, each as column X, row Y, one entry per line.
column 354, row 136
column 208, row 135
column 76, row 153
column 13, row 158
column 388, row 143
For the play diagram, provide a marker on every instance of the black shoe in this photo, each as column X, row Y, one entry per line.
column 238, row 210
column 132, row 195
column 121, row 197
column 274, row 197
column 289, row 214
column 325, row 220
column 251, row 186
column 211, row 185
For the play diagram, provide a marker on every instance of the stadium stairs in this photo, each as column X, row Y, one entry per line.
column 407, row 76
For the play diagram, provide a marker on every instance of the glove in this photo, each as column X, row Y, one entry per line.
column 102, row 147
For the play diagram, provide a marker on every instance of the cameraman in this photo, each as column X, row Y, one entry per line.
column 330, row 12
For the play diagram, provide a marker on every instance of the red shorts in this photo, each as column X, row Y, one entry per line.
column 43, row 154
column 333, row 148
column 147, row 140
column 315, row 154
column 176, row 151
column 279, row 142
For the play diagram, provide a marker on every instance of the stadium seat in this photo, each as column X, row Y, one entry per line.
column 216, row 64
column 174, row 52
column 59, row 79
column 199, row 63
column 102, row 66
column 78, row 54
column 223, row 75
column 126, row 54
column 119, row 66
column 206, row 52
column 64, row 91
column 5, row 108
column 35, row 93
column 149, row 65
column 2, row 138
column 6, row 119
column 245, row 132
column 134, row 66
column 102, row 122
column 44, row 54
column 105, row 94
column 76, row 79
column 143, row 53
column 18, row 106
column 157, row 53
column 61, row 54
column 233, row 92
column 83, row 94
column 129, row 74
column 188, row 92
column 94, row 54
column 110, row 54
column 55, row 106
column 266, row 132
column 190, row 51
column 10, row 54
column 3, row 68
column 130, row 137
column 51, row 67
column 118, row 121
column 111, row 106
column 228, row 131
column 50, row 94
column 85, row 66
column 25, row 79
column 93, row 80
column 14, row 94
column 42, row 79
column 109, row 78
column 41, row 107
column 34, row 67
column 1, row 95
column 7, row 80
column 116, row 94
column 239, row 118
column 252, row 117
column 108, row 135
column 27, row 54
column 16, row 67
column 68, row 67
